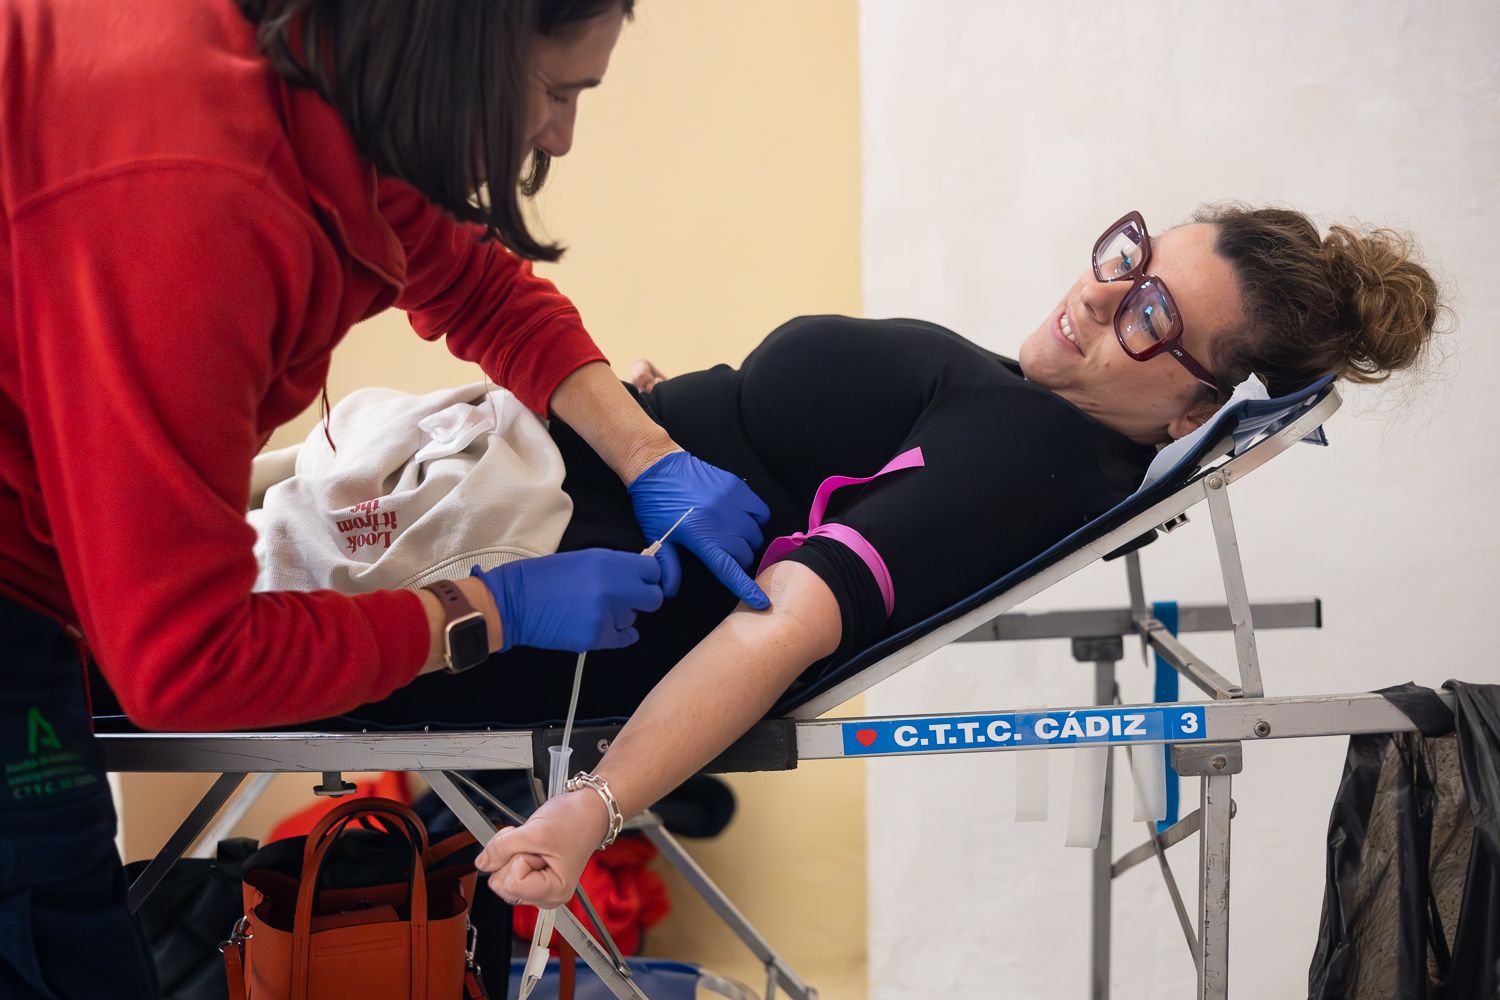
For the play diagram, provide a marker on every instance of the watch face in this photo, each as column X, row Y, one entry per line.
column 468, row 643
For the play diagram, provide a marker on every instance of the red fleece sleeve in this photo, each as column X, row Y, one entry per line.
column 151, row 307
column 495, row 311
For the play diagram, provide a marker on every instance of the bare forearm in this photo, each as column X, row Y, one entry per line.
column 714, row 694
column 723, row 687
column 594, row 403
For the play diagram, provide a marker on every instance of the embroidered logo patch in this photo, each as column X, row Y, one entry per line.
column 48, row 767
column 39, row 732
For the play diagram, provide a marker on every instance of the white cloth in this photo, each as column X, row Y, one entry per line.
column 1148, row 772
column 421, row 488
column 1086, row 814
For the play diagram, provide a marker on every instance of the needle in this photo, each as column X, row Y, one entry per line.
column 536, row 959
column 655, row 546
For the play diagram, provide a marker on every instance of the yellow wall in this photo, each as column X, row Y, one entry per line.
column 713, row 192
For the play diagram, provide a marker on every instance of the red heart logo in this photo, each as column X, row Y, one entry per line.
column 865, row 736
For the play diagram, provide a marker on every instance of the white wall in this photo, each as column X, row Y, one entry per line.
column 999, row 138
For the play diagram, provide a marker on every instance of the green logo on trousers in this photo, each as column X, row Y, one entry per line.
column 39, row 732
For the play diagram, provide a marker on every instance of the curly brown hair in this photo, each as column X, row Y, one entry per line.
column 1356, row 303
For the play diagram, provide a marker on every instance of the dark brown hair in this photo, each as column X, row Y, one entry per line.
column 1356, row 303
column 433, row 91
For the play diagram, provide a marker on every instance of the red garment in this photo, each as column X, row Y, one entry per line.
column 629, row 897
column 183, row 240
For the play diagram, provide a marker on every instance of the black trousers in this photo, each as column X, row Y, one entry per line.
column 65, row 932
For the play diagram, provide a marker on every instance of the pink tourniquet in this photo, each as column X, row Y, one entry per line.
column 781, row 547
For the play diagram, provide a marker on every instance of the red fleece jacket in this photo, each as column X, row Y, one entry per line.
column 183, row 240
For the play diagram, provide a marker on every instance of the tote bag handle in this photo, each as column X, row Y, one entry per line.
column 319, row 842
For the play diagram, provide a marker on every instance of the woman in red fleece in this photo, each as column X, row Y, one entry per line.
column 197, row 200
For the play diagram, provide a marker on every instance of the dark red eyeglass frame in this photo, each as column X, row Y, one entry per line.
column 1138, row 278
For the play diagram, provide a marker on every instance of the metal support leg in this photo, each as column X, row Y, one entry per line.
column 583, row 898
column 1135, row 584
column 184, row 838
column 616, row 979
column 1157, row 842
column 1177, row 905
column 1186, row 662
column 1215, row 763
column 1156, row 847
column 230, row 818
column 1213, row 901
column 1099, row 915
column 777, row 971
column 1237, row 596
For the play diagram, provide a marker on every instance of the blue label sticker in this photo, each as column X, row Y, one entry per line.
column 1171, row 723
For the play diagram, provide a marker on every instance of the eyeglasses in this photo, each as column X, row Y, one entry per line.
column 1147, row 321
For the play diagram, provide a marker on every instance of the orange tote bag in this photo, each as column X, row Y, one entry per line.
column 400, row 940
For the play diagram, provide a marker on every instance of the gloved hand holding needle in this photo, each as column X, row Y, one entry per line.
column 574, row 601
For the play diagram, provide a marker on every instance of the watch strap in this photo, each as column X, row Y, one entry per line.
column 455, row 604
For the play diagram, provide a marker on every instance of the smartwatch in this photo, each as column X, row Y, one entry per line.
column 466, row 638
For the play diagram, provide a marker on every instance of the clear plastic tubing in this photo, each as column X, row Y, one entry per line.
column 536, row 959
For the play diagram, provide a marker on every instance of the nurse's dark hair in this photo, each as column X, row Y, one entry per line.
column 1356, row 303
column 434, row 91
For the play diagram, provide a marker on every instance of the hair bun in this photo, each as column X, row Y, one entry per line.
column 1388, row 302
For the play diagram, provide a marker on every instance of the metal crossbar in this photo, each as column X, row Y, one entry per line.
column 1232, row 721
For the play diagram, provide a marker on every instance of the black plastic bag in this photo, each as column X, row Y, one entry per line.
column 188, row 914
column 1412, row 906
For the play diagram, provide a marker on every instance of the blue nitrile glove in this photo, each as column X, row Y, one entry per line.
column 670, row 561
column 723, row 531
column 574, row 601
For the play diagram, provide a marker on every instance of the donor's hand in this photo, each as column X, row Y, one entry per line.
column 644, row 375
column 574, row 601
column 540, row 862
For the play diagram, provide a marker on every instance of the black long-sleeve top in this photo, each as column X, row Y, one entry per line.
column 1010, row 468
